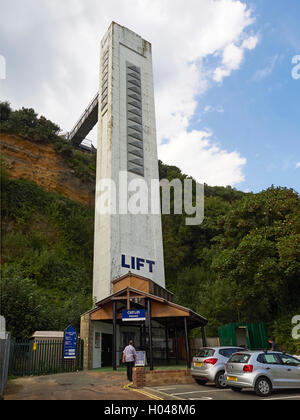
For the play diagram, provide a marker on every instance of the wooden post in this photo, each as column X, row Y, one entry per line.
column 187, row 346
column 114, row 335
column 128, row 299
column 150, row 335
column 167, row 344
column 176, row 346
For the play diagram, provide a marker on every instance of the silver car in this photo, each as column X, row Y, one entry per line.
column 209, row 365
column 263, row 371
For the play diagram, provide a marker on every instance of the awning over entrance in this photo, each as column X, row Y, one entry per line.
column 135, row 293
column 163, row 311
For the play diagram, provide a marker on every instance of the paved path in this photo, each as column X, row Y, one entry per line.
column 87, row 385
column 210, row 392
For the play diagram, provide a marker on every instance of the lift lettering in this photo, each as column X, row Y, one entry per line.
column 135, row 263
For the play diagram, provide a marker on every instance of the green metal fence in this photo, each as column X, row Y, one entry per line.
column 42, row 357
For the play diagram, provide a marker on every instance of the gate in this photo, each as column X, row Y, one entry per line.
column 42, row 357
column 4, row 359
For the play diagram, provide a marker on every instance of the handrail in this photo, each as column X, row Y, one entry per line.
column 89, row 108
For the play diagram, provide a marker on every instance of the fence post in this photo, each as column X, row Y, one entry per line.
column 4, row 361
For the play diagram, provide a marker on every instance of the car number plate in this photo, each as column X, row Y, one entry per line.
column 232, row 378
column 197, row 364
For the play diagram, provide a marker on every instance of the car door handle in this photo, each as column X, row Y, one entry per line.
column 268, row 368
column 289, row 370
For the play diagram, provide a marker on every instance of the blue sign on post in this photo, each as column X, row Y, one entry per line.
column 134, row 315
column 70, row 343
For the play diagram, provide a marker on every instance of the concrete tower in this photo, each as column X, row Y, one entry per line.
column 126, row 145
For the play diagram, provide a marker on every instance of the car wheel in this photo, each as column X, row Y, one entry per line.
column 200, row 381
column 235, row 389
column 263, row 387
column 220, row 380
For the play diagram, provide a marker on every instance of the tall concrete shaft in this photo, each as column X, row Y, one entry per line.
column 126, row 145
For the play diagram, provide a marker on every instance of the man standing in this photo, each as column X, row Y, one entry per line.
column 273, row 344
column 129, row 357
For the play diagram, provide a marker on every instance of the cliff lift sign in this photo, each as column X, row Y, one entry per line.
column 134, row 315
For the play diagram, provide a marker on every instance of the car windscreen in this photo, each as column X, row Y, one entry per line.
column 205, row 353
column 239, row 358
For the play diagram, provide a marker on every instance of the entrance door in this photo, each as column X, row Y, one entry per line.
column 241, row 337
column 107, row 350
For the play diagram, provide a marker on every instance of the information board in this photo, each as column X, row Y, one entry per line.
column 70, row 343
column 140, row 358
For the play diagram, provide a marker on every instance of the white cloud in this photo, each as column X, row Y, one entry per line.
column 210, row 108
column 233, row 56
column 198, row 156
column 297, row 165
column 52, row 53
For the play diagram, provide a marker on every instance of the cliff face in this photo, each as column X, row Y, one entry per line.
column 40, row 163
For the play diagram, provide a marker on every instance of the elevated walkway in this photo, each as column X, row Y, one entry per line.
column 85, row 124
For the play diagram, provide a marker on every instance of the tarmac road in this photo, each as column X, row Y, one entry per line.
column 86, row 385
column 210, row 392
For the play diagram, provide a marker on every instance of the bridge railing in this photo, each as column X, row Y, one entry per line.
column 83, row 117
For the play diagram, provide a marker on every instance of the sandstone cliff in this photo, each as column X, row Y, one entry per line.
column 40, row 163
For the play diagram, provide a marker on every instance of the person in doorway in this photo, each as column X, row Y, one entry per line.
column 129, row 357
column 273, row 344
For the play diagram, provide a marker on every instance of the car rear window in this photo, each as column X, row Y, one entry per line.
column 228, row 352
column 206, row 353
column 239, row 358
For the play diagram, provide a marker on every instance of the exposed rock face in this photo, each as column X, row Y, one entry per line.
column 40, row 163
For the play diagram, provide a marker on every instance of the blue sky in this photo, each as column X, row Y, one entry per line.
column 226, row 102
column 259, row 112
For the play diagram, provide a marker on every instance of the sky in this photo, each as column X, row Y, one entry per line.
column 227, row 77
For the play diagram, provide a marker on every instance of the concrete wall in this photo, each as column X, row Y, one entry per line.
column 137, row 236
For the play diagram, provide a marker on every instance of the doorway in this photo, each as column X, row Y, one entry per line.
column 241, row 337
column 107, row 350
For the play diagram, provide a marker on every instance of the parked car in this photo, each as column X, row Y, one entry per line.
column 209, row 365
column 263, row 371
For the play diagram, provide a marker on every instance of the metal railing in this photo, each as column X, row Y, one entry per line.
column 4, row 361
column 42, row 357
column 83, row 116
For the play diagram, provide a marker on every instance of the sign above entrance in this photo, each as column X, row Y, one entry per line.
column 134, row 315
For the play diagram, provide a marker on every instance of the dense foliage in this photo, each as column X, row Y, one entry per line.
column 241, row 264
column 47, row 253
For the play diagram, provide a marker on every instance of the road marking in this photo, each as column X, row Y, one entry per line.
column 164, row 394
column 164, row 389
column 201, row 399
column 196, row 392
column 146, row 394
column 282, row 398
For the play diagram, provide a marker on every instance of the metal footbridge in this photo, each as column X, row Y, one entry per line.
column 85, row 124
